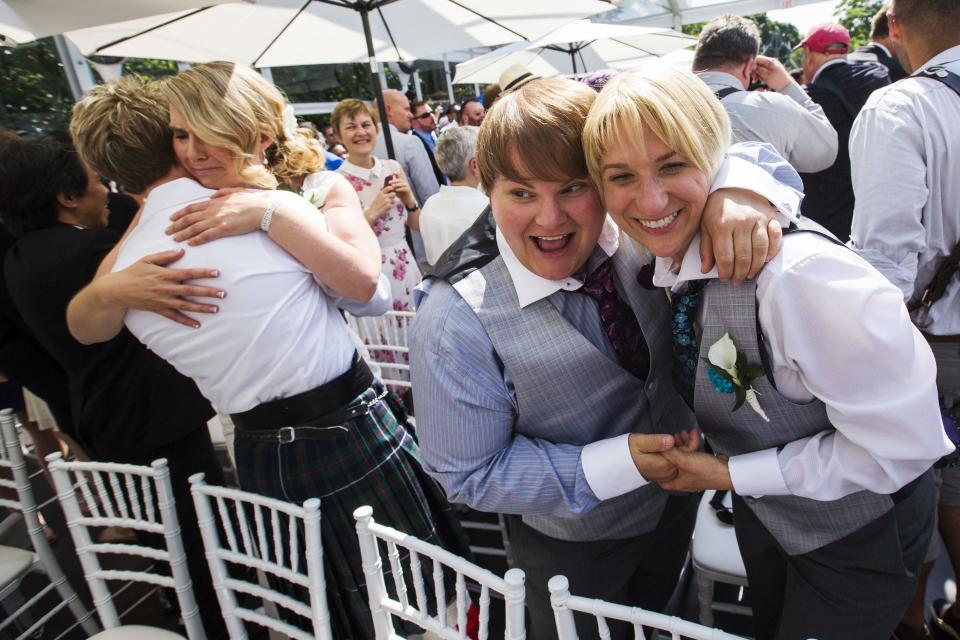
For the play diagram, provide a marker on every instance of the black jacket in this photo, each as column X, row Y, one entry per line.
column 842, row 90
column 125, row 400
column 874, row 52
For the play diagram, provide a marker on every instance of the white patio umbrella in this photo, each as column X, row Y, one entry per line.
column 26, row 20
column 276, row 33
column 576, row 48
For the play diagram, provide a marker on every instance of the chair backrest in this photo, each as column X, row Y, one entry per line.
column 383, row 607
column 564, row 604
column 387, row 340
column 278, row 538
column 134, row 497
column 11, row 457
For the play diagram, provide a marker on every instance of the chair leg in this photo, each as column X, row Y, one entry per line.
column 705, row 596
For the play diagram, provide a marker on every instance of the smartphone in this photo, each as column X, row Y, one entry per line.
column 389, row 179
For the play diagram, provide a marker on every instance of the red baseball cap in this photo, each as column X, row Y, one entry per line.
column 829, row 35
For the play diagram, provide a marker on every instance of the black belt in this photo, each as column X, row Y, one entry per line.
column 318, row 413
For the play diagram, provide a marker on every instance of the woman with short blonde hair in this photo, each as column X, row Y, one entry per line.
column 815, row 392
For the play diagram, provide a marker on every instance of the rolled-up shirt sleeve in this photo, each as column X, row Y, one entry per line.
column 466, row 414
column 838, row 331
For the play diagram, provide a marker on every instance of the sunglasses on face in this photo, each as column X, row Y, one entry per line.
column 424, row 115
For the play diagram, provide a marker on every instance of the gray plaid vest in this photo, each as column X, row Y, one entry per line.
column 569, row 392
column 799, row 524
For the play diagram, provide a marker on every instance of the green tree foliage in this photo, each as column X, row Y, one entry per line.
column 34, row 95
column 777, row 39
column 856, row 15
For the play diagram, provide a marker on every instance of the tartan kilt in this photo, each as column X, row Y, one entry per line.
column 378, row 464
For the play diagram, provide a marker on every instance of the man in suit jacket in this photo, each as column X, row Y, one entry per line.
column 841, row 88
column 880, row 49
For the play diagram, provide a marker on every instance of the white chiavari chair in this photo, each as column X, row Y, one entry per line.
column 565, row 604
column 135, row 497
column 384, row 608
column 716, row 557
column 386, row 338
column 16, row 563
column 276, row 538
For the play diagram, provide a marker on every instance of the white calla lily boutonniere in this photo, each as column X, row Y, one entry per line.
column 730, row 372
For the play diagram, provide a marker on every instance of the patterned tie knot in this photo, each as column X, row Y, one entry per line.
column 618, row 320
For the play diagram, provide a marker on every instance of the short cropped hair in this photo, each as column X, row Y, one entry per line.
column 455, row 149
column 121, row 131
column 463, row 107
column 727, row 40
column 880, row 25
column 535, row 131
column 32, row 174
column 673, row 103
column 937, row 16
column 349, row 109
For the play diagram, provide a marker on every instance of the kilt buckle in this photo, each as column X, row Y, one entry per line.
column 286, row 435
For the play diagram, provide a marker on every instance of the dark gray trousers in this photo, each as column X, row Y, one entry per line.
column 853, row 589
column 641, row 571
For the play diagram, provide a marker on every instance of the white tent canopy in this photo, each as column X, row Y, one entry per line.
column 274, row 33
column 25, row 20
column 578, row 47
column 674, row 13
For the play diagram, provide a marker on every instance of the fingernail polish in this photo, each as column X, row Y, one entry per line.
column 221, row 294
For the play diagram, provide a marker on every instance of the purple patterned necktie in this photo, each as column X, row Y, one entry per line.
column 621, row 325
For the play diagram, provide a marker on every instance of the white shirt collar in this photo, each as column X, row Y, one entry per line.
column 530, row 287
column 828, row 63
column 721, row 78
column 949, row 55
column 177, row 192
column 667, row 273
column 364, row 172
column 882, row 48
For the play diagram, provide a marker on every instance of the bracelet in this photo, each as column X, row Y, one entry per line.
column 267, row 216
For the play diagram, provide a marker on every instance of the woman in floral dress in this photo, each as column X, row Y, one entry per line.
column 388, row 203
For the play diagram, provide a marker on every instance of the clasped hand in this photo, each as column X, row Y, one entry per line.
column 676, row 463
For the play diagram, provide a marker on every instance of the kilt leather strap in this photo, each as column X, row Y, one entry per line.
column 328, row 405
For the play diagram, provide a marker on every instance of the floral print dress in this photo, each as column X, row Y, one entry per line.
column 398, row 263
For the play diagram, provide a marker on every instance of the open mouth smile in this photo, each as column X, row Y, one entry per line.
column 550, row 244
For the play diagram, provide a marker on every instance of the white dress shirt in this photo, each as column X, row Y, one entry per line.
column 837, row 331
column 277, row 333
column 790, row 120
column 446, row 215
column 905, row 157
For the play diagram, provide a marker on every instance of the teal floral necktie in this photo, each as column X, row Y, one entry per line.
column 686, row 344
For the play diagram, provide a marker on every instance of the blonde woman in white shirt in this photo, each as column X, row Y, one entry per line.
column 311, row 419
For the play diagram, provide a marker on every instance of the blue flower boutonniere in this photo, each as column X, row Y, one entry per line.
column 730, row 372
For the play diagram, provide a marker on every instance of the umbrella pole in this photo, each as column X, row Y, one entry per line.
column 377, row 90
